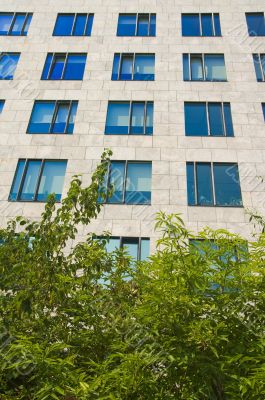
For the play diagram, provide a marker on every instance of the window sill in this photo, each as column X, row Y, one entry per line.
column 214, row 206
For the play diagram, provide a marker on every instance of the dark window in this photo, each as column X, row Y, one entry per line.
column 53, row 117
column 259, row 64
column 213, row 184
column 135, row 118
column 35, row 179
column 204, row 67
column 73, row 25
column 136, row 25
column 201, row 25
column 256, row 24
column 130, row 181
column 137, row 67
column 64, row 66
column 263, row 109
column 15, row 24
column 8, row 65
column 2, row 103
column 137, row 248
column 208, row 119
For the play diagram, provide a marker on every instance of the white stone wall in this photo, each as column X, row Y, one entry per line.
column 168, row 148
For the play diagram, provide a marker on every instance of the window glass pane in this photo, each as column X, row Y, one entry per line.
column 144, row 67
column 145, row 249
column 89, row 24
column 263, row 109
column 143, row 25
column 17, row 180
column 116, row 181
column 8, row 64
column 2, row 103
column 75, row 67
column 26, row 27
column 52, row 180
column 64, row 24
column 115, row 68
column 18, row 25
column 60, row 122
column 191, row 184
column 41, row 117
column 149, row 118
column 5, row 22
column 256, row 24
column 227, row 186
column 112, row 245
column 138, row 183
column 131, row 246
column 80, row 24
column 228, row 120
column 152, row 25
column 126, row 25
column 191, row 25
column 216, row 119
column 207, row 25
column 118, row 118
column 215, row 68
column 217, row 25
column 186, row 67
column 31, row 180
column 71, row 124
column 257, row 65
column 57, row 67
column 126, row 68
column 262, row 59
column 47, row 67
column 196, row 119
column 137, row 122
column 204, row 184
column 196, row 68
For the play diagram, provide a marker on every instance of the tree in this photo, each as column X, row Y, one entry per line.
column 79, row 323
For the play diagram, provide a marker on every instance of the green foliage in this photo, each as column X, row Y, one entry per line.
column 188, row 324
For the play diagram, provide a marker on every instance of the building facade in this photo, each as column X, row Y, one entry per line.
column 175, row 89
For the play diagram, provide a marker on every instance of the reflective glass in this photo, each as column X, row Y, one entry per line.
column 152, row 25
column 196, row 119
column 18, row 24
column 262, row 60
column 227, row 186
column 228, row 120
column 217, row 25
column 143, row 25
column 2, row 103
column 137, row 119
column 191, row 25
column 80, row 24
column 263, row 109
column 116, row 181
column 215, row 67
column 126, row 68
column 60, row 122
column 256, row 24
column 257, row 65
column 8, row 64
column 17, row 180
column 5, row 22
column 126, row 25
column 75, row 67
column 112, row 244
column 216, row 119
column 73, row 111
column 52, row 180
column 115, row 68
column 64, row 25
column 31, row 179
column 47, row 66
column 145, row 249
column 41, row 117
column 144, row 67
column 138, row 183
column 26, row 27
column 191, row 184
column 207, row 25
column 56, row 71
column 131, row 246
column 118, row 118
column 89, row 25
column 196, row 68
column 186, row 67
column 149, row 118
column 204, row 184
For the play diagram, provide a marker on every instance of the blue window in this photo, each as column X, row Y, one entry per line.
column 64, row 66
column 136, row 25
column 53, row 117
column 15, row 24
column 137, row 248
column 73, row 25
column 130, row 182
column 135, row 118
column 2, row 103
column 137, row 67
column 8, row 65
column 213, row 184
column 204, row 67
column 263, row 109
column 201, row 25
column 256, row 24
column 208, row 119
column 259, row 64
column 35, row 179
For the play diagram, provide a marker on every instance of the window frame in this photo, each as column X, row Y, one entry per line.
column 74, row 24
column 23, row 177
column 133, row 56
column 213, row 190
column 131, row 103
column 57, row 104
column 137, row 15
column 124, row 183
column 15, row 14
column 66, row 56
column 202, row 56
column 200, row 24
